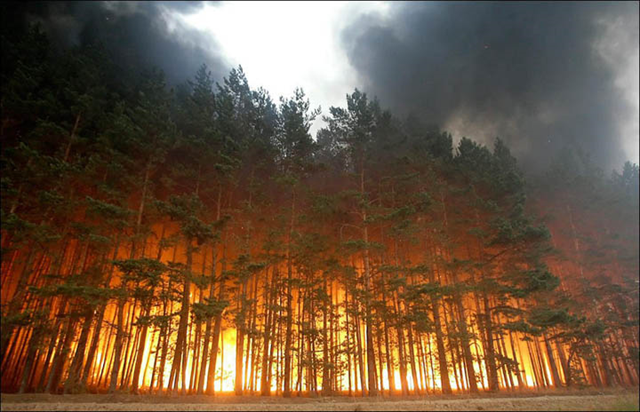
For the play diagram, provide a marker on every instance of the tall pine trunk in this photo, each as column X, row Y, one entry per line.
column 442, row 356
column 118, row 347
column 490, row 354
column 287, row 346
column 71, row 384
column 215, row 341
column 371, row 360
column 61, row 357
column 180, row 355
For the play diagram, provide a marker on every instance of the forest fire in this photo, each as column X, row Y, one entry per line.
column 196, row 240
column 412, row 353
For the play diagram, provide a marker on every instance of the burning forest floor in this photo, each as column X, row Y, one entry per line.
column 587, row 399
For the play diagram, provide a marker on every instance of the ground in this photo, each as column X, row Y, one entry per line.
column 588, row 399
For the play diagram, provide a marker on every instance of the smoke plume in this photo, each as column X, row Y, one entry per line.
column 140, row 34
column 540, row 76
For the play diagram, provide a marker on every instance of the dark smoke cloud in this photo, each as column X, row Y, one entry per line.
column 525, row 72
column 140, row 34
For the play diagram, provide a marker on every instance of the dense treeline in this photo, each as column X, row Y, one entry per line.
column 197, row 239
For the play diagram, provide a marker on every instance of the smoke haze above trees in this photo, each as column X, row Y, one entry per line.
column 533, row 74
column 138, row 34
column 540, row 76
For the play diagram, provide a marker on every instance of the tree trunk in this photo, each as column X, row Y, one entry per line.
column 388, row 351
column 96, row 333
column 326, row 372
column 216, row 335
column 34, row 343
column 359, row 353
column 180, row 355
column 215, row 341
column 71, row 385
column 521, row 383
column 348, row 341
column 404, row 383
column 141, row 346
column 442, row 356
column 552, row 363
column 240, row 341
column 371, row 361
column 466, row 345
column 118, row 347
column 489, row 350
column 207, row 332
column 61, row 357
column 412, row 360
column 567, row 369
column 287, row 346
column 272, row 346
column 265, row 387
